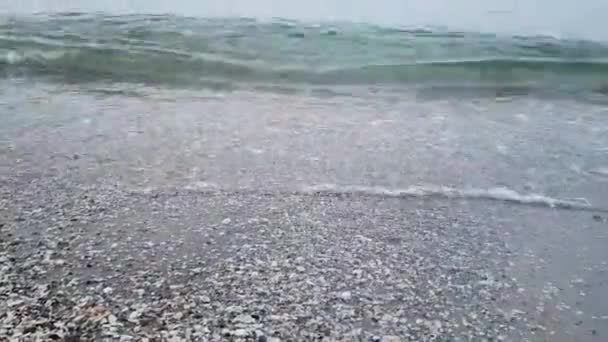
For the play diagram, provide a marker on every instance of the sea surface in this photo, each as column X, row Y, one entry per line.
column 180, row 51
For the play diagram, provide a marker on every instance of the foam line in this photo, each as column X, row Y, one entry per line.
column 496, row 194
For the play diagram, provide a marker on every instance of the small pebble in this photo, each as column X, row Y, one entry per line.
column 346, row 295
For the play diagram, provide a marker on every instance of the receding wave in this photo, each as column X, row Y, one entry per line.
column 188, row 51
column 431, row 191
column 495, row 194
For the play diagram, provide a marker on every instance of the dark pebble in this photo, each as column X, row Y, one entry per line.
column 597, row 218
column 593, row 332
column 147, row 321
column 262, row 338
column 72, row 338
column 29, row 330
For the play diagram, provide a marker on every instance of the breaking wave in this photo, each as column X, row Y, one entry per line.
column 183, row 51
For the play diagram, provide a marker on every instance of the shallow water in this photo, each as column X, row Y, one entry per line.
column 522, row 148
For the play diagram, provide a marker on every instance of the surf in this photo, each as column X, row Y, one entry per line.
column 189, row 52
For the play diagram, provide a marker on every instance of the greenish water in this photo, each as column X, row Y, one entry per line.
column 182, row 51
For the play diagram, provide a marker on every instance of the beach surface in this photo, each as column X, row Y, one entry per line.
column 373, row 214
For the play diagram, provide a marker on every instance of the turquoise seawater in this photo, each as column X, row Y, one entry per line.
column 183, row 51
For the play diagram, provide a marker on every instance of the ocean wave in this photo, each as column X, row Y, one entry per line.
column 160, row 66
column 177, row 50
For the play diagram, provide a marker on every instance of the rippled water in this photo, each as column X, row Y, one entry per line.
column 227, row 53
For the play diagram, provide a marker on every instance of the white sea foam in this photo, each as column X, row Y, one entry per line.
column 12, row 57
column 497, row 194
column 15, row 57
column 600, row 171
column 491, row 194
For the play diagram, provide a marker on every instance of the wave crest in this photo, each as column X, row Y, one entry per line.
column 188, row 51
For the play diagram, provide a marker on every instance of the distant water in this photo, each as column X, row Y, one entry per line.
column 191, row 52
